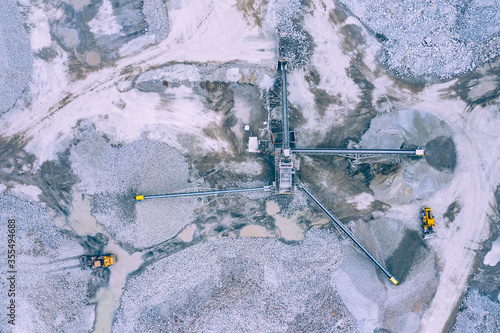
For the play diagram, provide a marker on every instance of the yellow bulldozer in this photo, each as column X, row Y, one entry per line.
column 427, row 223
column 98, row 261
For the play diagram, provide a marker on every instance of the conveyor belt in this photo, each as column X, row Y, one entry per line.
column 345, row 151
column 344, row 229
column 201, row 193
column 284, row 106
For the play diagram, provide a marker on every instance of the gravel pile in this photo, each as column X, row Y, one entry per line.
column 291, row 204
column 289, row 15
column 409, row 128
column 51, row 290
column 115, row 174
column 237, row 285
column 478, row 313
column 436, row 38
column 16, row 60
column 156, row 15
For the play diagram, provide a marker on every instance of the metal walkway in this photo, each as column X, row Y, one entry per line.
column 201, row 193
column 344, row 229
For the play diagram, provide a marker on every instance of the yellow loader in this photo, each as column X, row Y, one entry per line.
column 427, row 223
column 98, row 261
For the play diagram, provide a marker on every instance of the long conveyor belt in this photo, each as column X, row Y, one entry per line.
column 201, row 193
column 340, row 151
column 341, row 226
column 284, row 106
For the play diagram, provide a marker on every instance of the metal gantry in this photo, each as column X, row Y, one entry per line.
column 285, row 160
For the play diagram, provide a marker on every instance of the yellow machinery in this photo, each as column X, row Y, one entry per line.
column 427, row 223
column 98, row 261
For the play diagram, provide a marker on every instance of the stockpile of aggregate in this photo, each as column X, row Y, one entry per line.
column 51, row 288
column 113, row 174
column 156, row 15
column 434, row 37
column 236, row 285
column 16, row 60
column 289, row 16
column 477, row 313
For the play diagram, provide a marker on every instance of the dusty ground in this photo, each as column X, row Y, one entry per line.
column 152, row 97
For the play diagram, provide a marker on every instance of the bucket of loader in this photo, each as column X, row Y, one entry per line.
column 429, row 235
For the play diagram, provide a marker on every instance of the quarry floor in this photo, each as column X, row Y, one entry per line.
column 130, row 100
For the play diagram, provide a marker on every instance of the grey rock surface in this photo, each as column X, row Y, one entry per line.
column 426, row 38
column 16, row 60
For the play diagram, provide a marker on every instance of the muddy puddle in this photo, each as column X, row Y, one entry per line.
column 95, row 35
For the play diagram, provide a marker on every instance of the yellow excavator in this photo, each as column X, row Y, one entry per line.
column 98, row 261
column 427, row 223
